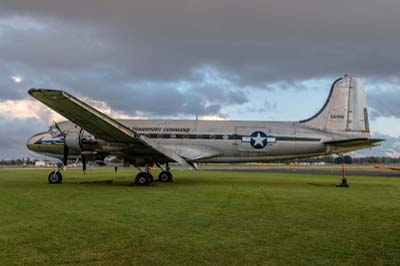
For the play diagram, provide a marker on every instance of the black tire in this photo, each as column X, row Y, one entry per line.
column 170, row 177
column 151, row 179
column 55, row 178
column 164, row 176
column 141, row 179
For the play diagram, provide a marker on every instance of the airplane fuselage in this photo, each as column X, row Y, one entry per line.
column 201, row 141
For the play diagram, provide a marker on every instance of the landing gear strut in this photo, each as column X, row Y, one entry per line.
column 344, row 179
column 165, row 175
column 144, row 178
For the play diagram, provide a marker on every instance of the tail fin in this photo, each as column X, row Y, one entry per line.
column 345, row 110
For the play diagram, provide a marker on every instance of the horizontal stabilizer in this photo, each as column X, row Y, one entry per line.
column 347, row 145
column 361, row 142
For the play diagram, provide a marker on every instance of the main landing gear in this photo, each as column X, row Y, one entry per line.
column 143, row 179
column 146, row 178
column 165, row 175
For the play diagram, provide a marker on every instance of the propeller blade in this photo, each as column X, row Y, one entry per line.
column 84, row 163
column 58, row 128
column 65, row 158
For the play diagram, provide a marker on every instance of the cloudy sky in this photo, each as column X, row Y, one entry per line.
column 227, row 59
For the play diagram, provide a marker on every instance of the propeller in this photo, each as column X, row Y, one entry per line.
column 84, row 161
column 65, row 157
column 66, row 149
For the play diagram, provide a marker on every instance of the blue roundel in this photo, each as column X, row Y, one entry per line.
column 258, row 139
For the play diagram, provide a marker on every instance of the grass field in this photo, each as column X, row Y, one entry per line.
column 204, row 218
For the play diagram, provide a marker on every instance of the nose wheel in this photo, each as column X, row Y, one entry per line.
column 55, row 177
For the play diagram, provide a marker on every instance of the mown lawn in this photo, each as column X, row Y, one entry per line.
column 204, row 218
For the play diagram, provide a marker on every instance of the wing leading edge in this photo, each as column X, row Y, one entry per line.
column 97, row 123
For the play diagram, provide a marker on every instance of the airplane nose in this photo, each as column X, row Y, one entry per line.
column 44, row 143
column 34, row 140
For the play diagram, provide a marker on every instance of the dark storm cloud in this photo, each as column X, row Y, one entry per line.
column 179, row 57
column 261, row 41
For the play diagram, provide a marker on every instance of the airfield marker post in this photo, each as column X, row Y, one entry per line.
column 342, row 159
column 344, row 180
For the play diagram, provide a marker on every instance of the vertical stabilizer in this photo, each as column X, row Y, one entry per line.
column 345, row 110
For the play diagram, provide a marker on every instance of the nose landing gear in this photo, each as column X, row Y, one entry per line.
column 55, row 177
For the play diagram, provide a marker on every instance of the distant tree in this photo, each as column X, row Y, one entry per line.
column 348, row 159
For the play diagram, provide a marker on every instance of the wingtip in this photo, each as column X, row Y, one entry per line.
column 33, row 90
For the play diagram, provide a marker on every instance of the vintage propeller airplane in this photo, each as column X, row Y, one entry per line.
column 340, row 126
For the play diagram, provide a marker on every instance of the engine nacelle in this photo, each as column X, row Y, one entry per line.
column 80, row 140
column 113, row 160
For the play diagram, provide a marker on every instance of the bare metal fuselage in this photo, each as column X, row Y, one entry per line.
column 210, row 141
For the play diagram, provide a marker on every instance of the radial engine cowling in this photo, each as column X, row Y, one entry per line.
column 80, row 140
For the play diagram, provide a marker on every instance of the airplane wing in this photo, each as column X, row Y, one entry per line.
column 387, row 167
column 99, row 124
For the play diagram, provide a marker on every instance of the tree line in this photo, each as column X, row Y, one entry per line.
column 19, row 161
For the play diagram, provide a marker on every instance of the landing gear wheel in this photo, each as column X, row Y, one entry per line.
column 165, row 176
column 143, row 179
column 55, row 178
column 170, row 177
